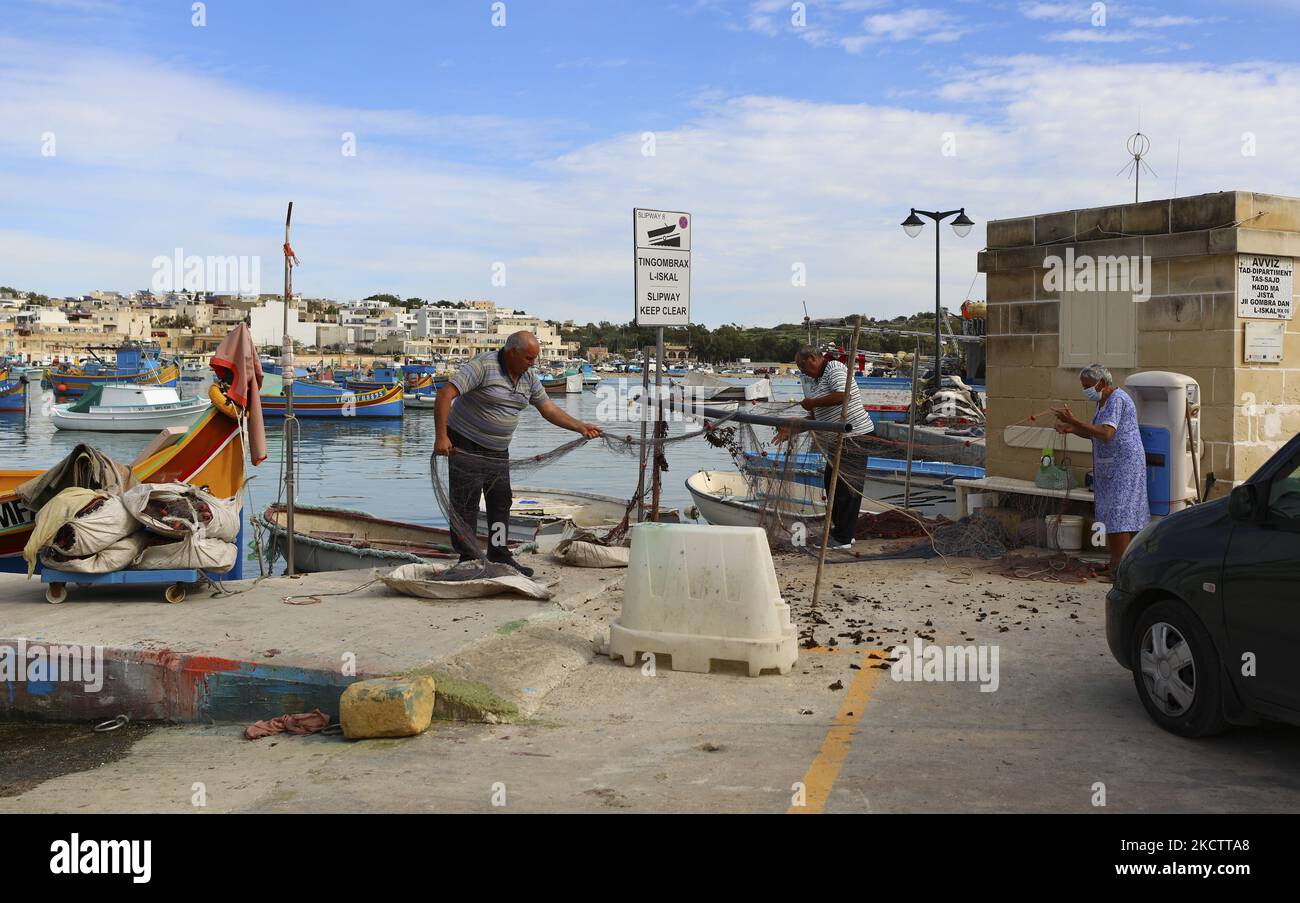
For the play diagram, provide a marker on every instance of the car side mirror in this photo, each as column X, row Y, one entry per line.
column 1243, row 502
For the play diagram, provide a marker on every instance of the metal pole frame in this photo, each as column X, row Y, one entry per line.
column 938, row 217
column 642, row 407
column 835, row 470
column 290, row 428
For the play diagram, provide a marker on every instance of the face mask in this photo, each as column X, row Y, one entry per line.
column 1092, row 394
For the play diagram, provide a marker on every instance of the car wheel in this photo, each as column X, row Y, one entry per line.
column 1176, row 670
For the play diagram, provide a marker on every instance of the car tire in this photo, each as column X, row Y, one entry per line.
column 1177, row 672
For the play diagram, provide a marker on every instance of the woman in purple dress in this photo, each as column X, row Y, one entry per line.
column 1119, row 468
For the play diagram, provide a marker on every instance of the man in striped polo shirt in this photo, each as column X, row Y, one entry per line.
column 489, row 393
column 823, row 390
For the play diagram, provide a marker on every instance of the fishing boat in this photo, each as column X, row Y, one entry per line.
column 552, row 510
column 316, row 399
column 730, row 499
column 929, row 489
column 702, row 387
column 339, row 539
column 381, row 376
column 13, row 395
column 210, row 454
column 137, row 363
column 569, row 383
column 128, row 409
column 589, row 378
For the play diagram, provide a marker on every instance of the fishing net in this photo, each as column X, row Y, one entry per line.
column 782, row 488
column 487, row 471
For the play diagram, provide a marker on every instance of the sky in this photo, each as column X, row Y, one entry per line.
column 468, row 149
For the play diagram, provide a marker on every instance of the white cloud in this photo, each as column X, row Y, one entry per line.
column 151, row 157
column 1094, row 36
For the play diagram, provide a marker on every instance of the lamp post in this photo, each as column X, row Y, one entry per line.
column 913, row 226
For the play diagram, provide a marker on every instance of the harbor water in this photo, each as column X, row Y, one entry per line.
column 381, row 466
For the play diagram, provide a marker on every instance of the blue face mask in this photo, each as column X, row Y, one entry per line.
column 1092, row 394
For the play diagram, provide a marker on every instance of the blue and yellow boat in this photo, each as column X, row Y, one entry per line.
column 137, row 363
column 13, row 393
column 315, row 399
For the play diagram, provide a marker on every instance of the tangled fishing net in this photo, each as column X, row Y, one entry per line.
column 783, row 487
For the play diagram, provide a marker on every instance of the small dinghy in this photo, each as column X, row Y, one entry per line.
column 554, row 509
column 339, row 539
column 128, row 409
column 729, row 499
column 702, row 387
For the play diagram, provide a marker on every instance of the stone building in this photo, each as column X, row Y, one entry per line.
column 1195, row 285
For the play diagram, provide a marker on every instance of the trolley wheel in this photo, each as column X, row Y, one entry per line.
column 56, row 593
column 175, row 593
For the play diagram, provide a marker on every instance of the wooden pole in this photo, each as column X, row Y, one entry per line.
column 656, row 481
column 835, row 470
column 911, row 428
column 290, row 428
column 645, row 391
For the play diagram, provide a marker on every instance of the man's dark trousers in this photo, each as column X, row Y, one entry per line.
column 848, row 497
column 469, row 480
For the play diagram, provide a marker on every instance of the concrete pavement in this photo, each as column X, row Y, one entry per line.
column 829, row 737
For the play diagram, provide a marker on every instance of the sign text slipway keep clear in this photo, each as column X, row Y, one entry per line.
column 662, row 249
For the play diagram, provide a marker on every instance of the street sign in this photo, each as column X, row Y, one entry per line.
column 662, row 257
column 1264, row 286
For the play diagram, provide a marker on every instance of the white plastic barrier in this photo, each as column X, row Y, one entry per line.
column 700, row 594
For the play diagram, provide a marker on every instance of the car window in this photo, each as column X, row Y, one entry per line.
column 1284, row 495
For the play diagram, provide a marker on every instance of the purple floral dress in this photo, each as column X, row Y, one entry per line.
column 1119, row 469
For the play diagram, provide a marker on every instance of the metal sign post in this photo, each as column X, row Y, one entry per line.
column 661, row 255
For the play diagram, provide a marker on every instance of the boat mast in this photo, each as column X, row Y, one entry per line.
column 286, row 375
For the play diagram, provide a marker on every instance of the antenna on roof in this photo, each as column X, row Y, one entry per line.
column 1138, row 144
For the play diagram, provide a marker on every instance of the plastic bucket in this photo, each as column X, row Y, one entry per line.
column 1064, row 532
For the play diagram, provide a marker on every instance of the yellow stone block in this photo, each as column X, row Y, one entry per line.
column 387, row 707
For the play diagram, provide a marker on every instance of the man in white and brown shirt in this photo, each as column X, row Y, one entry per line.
column 823, row 389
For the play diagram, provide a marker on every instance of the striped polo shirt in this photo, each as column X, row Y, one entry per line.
column 831, row 381
column 488, row 407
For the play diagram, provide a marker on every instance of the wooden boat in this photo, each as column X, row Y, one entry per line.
column 554, row 509
column 931, row 489
column 13, row 395
column 314, row 399
column 339, row 539
column 211, row 454
column 702, row 387
column 732, row 499
column 565, row 384
column 128, row 409
column 137, row 363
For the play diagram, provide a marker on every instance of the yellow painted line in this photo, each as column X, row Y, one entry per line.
column 825, row 768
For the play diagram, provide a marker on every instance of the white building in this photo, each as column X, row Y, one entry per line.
column 266, row 323
column 441, row 321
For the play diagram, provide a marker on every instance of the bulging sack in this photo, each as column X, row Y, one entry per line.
column 114, row 557
column 579, row 549
column 190, row 551
column 466, row 580
column 175, row 509
column 101, row 523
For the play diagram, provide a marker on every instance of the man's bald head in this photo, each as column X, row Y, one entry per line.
column 521, row 352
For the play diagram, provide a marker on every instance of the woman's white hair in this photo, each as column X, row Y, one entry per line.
column 1097, row 373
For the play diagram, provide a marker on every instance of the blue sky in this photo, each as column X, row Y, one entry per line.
column 521, row 149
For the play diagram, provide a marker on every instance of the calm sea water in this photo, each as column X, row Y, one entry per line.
column 382, row 466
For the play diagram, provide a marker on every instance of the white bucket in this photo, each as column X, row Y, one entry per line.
column 1067, row 536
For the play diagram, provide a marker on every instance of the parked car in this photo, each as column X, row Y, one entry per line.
column 1205, row 609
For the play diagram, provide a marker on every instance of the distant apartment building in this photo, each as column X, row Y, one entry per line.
column 444, row 321
column 597, row 353
column 267, row 326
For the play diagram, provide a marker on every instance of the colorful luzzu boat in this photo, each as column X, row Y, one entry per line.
column 137, row 363
column 13, row 394
column 211, row 454
column 314, row 399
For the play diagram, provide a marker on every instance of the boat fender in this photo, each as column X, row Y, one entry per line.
column 222, row 402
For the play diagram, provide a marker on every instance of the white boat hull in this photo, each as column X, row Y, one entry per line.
column 110, row 420
column 728, row 499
